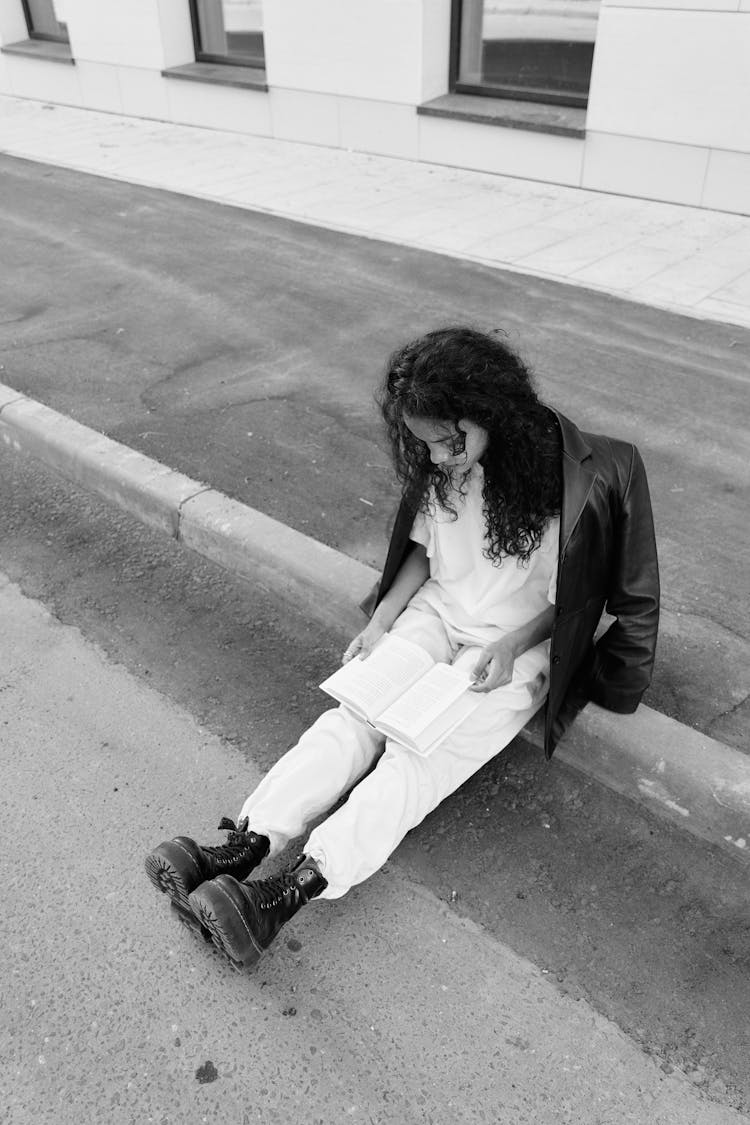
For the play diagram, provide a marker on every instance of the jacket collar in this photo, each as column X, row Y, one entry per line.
column 578, row 477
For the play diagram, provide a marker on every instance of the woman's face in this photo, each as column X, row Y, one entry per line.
column 450, row 446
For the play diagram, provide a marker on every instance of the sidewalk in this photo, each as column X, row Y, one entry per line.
column 696, row 781
column 390, row 1007
column 681, row 259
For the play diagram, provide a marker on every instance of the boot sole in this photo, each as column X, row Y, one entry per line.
column 216, row 912
column 185, row 917
column 168, row 866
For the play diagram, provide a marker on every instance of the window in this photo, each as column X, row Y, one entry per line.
column 45, row 19
column 532, row 50
column 228, row 31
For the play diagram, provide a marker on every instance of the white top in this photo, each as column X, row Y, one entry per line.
column 471, row 594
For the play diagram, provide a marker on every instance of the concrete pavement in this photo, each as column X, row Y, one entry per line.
column 111, row 1011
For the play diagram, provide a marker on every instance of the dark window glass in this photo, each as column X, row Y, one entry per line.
column 229, row 31
column 540, row 50
column 46, row 19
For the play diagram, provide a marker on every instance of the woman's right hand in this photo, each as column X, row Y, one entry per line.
column 364, row 642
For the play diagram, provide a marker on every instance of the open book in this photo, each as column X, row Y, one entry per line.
column 402, row 692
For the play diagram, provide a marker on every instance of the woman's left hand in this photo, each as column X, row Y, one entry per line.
column 364, row 642
column 494, row 666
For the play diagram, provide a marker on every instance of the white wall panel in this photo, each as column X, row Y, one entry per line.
column 510, row 152
column 381, row 127
column 176, row 32
column 299, row 38
column 385, row 59
column 672, row 76
column 355, row 48
column 109, row 31
column 301, row 116
column 143, row 93
column 436, row 39
column 218, row 107
column 727, row 186
column 99, row 86
column 652, row 169
column 43, row 80
column 12, row 22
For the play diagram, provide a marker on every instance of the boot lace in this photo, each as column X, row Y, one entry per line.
column 238, row 837
column 270, row 893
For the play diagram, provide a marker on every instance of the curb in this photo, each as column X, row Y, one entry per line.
column 695, row 782
column 242, row 540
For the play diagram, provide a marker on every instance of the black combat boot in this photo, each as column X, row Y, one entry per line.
column 178, row 866
column 244, row 918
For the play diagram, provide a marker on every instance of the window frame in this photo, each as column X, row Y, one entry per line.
column 45, row 36
column 225, row 60
column 514, row 93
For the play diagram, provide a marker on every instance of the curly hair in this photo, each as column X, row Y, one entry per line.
column 459, row 373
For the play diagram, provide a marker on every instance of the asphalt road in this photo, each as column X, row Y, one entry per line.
column 244, row 351
column 535, row 924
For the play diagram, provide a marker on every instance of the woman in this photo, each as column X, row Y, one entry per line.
column 515, row 530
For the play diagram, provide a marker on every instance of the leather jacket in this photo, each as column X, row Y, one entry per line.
column 607, row 559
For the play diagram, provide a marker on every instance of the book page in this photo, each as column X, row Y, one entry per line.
column 370, row 685
column 430, row 697
column 437, row 732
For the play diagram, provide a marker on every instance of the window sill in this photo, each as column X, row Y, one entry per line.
column 219, row 74
column 48, row 49
column 561, row 120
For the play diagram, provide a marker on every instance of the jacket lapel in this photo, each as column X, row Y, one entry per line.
column 578, row 478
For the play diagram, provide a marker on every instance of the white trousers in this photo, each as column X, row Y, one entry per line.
column 337, row 751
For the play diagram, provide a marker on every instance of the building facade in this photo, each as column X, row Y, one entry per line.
column 648, row 98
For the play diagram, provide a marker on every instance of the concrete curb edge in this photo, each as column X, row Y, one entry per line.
column 694, row 781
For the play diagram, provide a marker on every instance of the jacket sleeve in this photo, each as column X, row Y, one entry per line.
column 624, row 655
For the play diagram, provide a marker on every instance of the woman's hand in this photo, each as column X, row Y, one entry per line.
column 364, row 642
column 494, row 666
